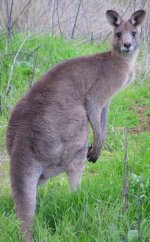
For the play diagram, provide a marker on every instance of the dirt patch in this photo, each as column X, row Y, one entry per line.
column 144, row 120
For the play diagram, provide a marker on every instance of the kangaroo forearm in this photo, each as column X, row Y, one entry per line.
column 104, row 117
column 100, row 127
column 100, row 132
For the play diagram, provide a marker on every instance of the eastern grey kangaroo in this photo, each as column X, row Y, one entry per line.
column 48, row 129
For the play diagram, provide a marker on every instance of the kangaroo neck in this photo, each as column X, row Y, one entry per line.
column 128, row 58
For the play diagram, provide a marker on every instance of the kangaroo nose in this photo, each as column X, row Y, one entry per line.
column 127, row 45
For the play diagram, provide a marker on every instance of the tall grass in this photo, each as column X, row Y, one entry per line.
column 94, row 212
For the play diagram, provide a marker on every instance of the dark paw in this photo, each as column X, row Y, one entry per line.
column 91, row 155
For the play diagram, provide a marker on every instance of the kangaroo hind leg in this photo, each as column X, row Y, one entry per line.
column 75, row 169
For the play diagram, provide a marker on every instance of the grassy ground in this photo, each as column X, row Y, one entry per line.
column 94, row 212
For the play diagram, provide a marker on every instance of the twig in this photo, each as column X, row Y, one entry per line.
column 143, row 2
column 53, row 18
column 9, row 17
column 21, row 12
column 125, row 179
column 126, row 9
column 139, row 209
column 74, row 26
column 58, row 18
column 99, row 35
column 108, row 35
column 92, row 38
column 134, row 5
column 65, row 21
column 7, row 12
column 12, row 67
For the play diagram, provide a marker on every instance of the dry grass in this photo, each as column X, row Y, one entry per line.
column 59, row 16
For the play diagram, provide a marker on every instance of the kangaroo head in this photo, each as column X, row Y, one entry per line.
column 126, row 34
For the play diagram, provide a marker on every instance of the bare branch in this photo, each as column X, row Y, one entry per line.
column 126, row 9
column 143, row 3
column 74, row 26
column 134, row 5
column 53, row 16
column 21, row 12
column 58, row 17
column 7, row 10
column 10, row 14
column 9, row 17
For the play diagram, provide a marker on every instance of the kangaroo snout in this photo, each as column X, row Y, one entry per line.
column 127, row 45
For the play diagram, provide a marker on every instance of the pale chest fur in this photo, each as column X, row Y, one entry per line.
column 129, row 79
column 131, row 71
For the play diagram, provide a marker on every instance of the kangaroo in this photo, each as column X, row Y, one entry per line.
column 48, row 128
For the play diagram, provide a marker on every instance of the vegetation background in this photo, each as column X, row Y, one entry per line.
column 113, row 202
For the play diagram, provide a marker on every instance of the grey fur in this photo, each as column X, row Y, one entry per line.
column 48, row 129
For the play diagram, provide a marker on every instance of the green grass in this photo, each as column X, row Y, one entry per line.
column 94, row 212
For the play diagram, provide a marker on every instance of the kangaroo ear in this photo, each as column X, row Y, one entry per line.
column 113, row 18
column 137, row 17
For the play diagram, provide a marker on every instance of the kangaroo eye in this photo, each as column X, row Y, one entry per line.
column 118, row 34
column 133, row 34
